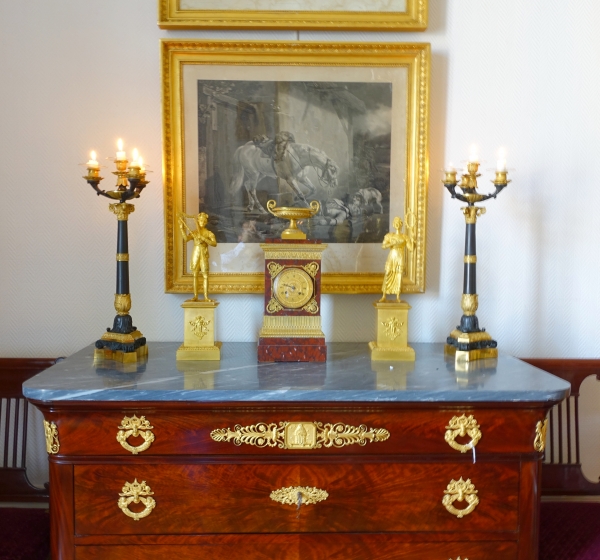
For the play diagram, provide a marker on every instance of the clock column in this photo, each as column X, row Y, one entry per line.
column 291, row 330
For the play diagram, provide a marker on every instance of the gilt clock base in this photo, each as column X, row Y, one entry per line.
column 292, row 350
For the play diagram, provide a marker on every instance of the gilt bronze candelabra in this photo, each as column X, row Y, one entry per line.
column 123, row 342
column 468, row 341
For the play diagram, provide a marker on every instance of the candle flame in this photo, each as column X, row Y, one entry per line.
column 141, row 162
column 93, row 156
column 120, row 144
column 501, row 153
column 135, row 155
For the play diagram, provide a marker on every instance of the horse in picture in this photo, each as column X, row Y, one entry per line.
column 251, row 164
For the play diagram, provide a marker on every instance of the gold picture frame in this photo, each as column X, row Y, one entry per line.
column 210, row 87
column 394, row 15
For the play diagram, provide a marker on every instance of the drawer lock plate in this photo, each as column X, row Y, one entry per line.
column 299, row 495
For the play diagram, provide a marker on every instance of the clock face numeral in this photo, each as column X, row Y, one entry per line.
column 293, row 288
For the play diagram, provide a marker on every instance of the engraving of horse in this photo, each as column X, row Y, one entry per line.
column 250, row 165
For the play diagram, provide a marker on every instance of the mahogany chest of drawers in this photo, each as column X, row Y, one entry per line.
column 345, row 460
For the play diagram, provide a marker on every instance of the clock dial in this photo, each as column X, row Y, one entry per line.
column 293, row 288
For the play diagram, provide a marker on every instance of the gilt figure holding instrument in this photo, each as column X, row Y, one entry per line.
column 202, row 238
column 392, row 316
column 397, row 243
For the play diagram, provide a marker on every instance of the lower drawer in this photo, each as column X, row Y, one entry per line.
column 237, row 498
column 305, row 547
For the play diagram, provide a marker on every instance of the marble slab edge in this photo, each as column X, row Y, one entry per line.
column 294, row 395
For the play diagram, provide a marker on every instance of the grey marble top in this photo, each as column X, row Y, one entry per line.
column 348, row 375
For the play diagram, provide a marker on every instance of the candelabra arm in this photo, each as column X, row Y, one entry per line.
column 497, row 191
column 136, row 186
column 94, row 184
column 452, row 190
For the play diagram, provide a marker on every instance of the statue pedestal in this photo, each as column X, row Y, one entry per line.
column 199, row 331
column 392, row 332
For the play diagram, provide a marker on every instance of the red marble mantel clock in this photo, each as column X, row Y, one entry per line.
column 291, row 330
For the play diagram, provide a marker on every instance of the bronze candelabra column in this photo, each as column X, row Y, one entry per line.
column 123, row 342
column 469, row 342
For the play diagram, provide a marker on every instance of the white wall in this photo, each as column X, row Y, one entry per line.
column 523, row 75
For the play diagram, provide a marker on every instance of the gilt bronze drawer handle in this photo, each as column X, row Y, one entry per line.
column 462, row 426
column 299, row 495
column 460, row 491
column 136, row 492
column 458, row 558
column 135, row 426
column 300, row 435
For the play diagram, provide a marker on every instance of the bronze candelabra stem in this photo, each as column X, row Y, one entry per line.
column 468, row 341
column 123, row 342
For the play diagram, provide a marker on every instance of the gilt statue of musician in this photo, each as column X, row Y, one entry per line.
column 202, row 238
column 397, row 243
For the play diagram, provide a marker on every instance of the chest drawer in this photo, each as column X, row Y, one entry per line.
column 324, row 430
column 244, row 498
column 304, row 547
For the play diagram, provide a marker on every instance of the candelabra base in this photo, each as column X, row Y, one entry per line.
column 469, row 324
column 471, row 346
column 121, row 347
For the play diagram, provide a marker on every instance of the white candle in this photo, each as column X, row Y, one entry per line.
column 134, row 158
column 450, row 168
column 120, row 153
column 141, row 163
column 473, row 157
column 501, row 163
column 93, row 163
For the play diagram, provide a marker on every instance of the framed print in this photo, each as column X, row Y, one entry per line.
column 353, row 15
column 344, row 124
